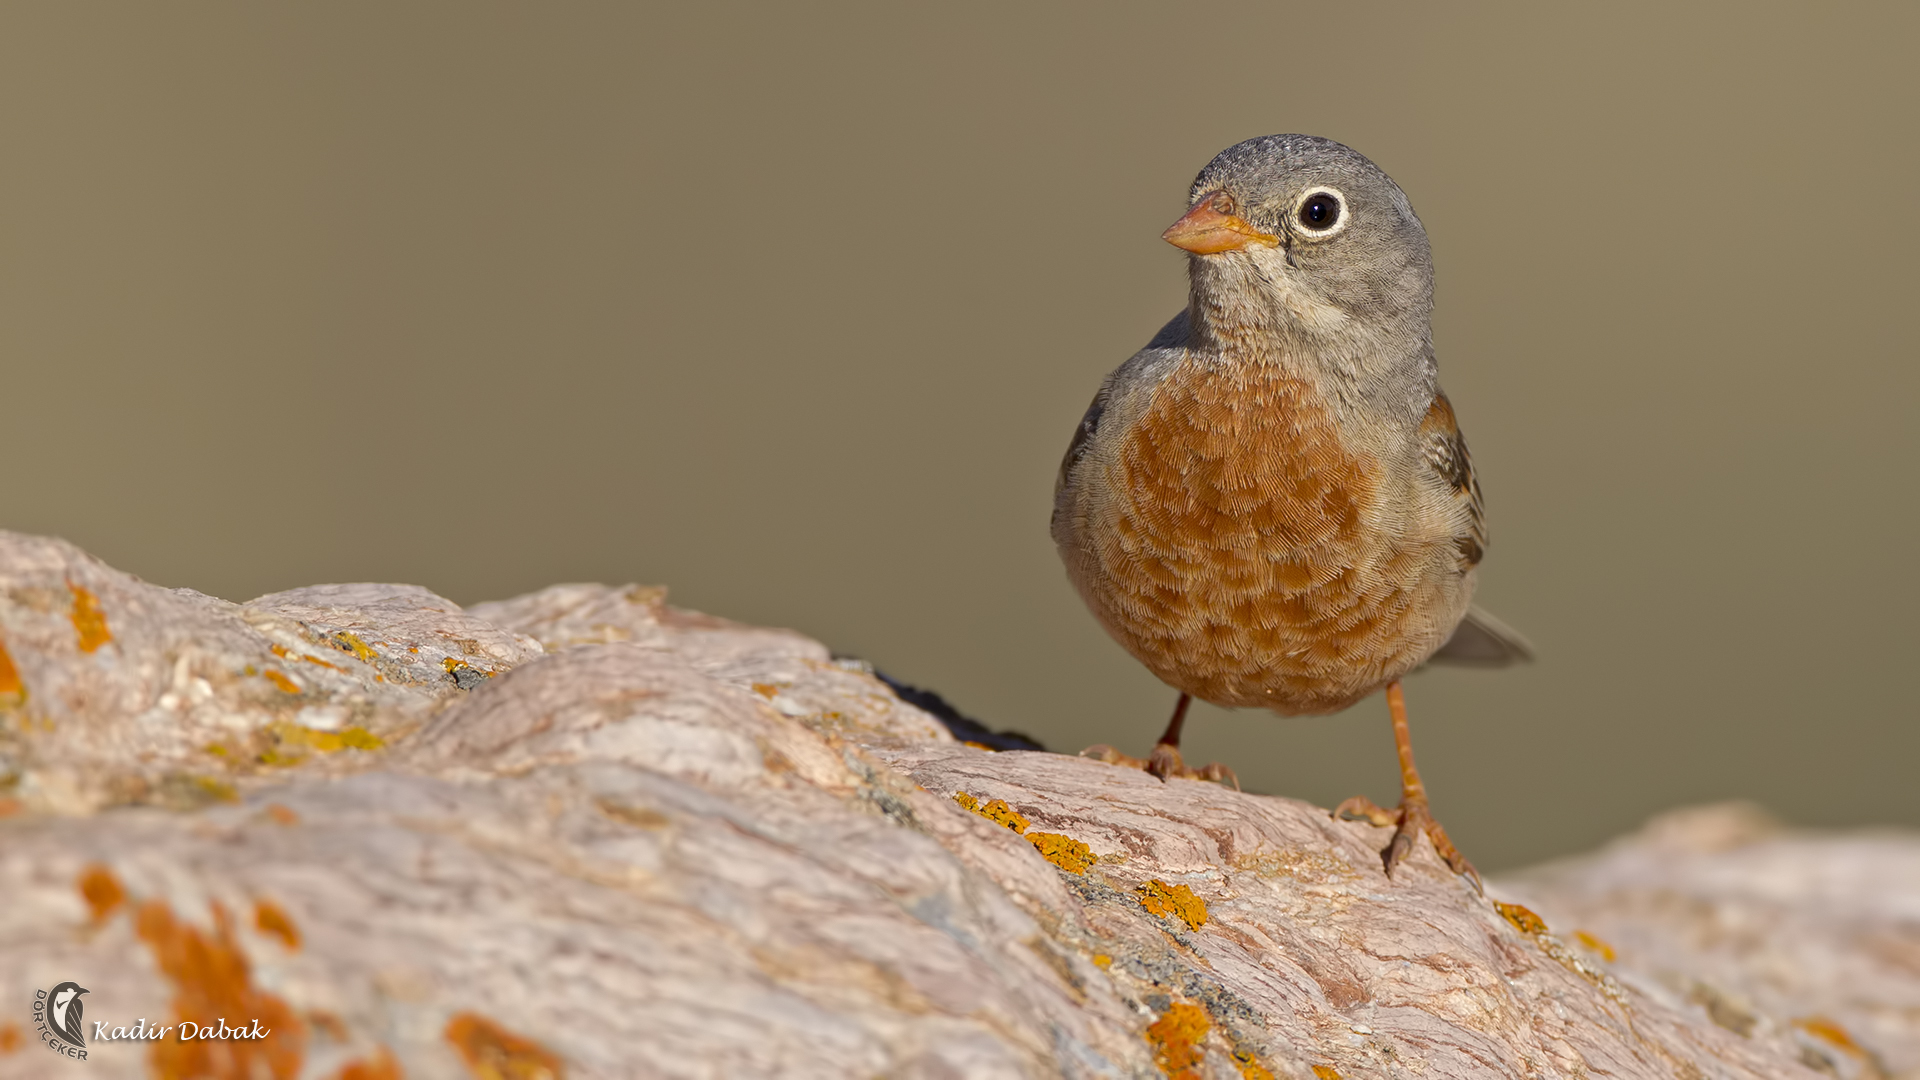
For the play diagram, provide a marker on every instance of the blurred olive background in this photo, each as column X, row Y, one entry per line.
column 794, row 308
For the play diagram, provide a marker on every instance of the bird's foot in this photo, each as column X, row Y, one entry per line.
column 1164, row 762
column 1412, row 818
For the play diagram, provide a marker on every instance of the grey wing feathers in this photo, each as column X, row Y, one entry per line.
column 1165, row 345
column 1445, row 450
column 1483, row 641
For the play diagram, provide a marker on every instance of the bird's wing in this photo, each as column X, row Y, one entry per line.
column 1141, row 367
column 1445, row 452
column 1480, row 640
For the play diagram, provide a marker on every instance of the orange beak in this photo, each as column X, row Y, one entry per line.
column 1204, row 230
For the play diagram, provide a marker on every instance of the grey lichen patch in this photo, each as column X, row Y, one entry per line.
column 877, row 791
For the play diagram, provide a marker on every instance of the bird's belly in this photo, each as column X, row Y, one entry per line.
column 1250, row 557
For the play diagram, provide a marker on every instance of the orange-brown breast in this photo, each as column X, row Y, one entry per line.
column 1249, row 556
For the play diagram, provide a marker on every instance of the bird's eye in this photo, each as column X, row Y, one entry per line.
column 1222, row 203
column 1321, row 211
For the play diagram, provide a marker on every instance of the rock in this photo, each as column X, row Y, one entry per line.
column 584, row 833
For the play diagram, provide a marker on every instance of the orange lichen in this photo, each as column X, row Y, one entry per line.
column 1522, row 919
column 996, row 811
column 271, row 918
column 1062, row 851
column 348, row 642
column 1250, row 1067
column 1160, row 898
column 765, row 690
column 102, row 892
column 89, row 621
column 1326, row 1072
column 1175, row 1039
column 212, row 982
column 11, row 1038
column 278, row 650
column 1828, row 1031
column 10, row 806
column 282, row 814
column 381, row 1066
column 281, row 681
column 304, row 658
column 1595, row 945
column 13, row 692
column 1102, row 961
column 494, row 1053
column 980, row 746
column 328, row 1024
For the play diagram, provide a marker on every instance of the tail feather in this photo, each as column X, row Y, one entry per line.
column 1483, row 641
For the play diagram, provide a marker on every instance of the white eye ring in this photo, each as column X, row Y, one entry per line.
column 1321, row 232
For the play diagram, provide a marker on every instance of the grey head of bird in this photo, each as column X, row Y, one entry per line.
column 1300, row 244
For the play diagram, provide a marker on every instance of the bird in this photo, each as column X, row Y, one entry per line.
column 1271, row 505
column 66, row 1012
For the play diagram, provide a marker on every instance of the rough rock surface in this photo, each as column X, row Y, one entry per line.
column 583, row 833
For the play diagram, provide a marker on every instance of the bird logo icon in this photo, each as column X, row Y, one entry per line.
column 63, row 1012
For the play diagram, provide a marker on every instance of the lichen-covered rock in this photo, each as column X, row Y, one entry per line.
column 582, row 833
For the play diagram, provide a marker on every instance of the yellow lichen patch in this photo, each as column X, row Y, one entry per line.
column 1250, row 1067
column 1828, row 1031
column 271, row 918
column 212, row 981
column 1318, row 866
column 1326, row 1072
column 381, row 1066
column 1595, row 945
column 13, row 692
column 765, row 689
column 1102, row 961
column 351, row 643
column 996, row 811
column 279, row 651
column 11, row 1038
column 1160, row 898
column 217, row 749
column 102, row 892
column 1175, row 1039
column 1522, row 919
column 215, row 788
column 281, row 681
column 305, row 659
column 89, row 621
column 282, row 814
column 1062, row 851
column 494, row 1053
column 289, row 735
column 627, row 814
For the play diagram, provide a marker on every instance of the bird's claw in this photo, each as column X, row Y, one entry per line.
column 1411, row 819
column 1165, row 762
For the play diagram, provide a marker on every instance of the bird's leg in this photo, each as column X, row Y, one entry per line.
column 1165, row 760
column 1414, row 816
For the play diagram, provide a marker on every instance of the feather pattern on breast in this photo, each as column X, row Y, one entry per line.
column 1234, row 542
